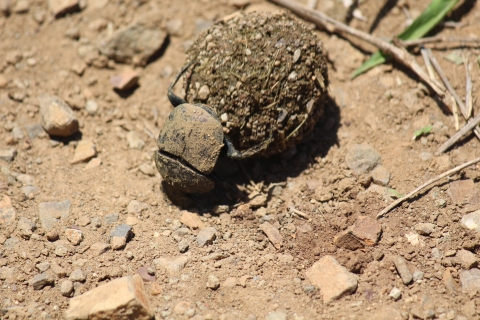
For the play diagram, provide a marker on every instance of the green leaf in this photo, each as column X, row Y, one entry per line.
column 429, row 18
column 421, row 132
column 454, row 58
column 395, row 194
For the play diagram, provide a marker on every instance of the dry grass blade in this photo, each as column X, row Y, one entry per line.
column 468, row 87
column 475, row 42
column 426, row 184
column 447, row 84
column 455, row 114
column 458, row 135
column 399, row 54
column 428, row 64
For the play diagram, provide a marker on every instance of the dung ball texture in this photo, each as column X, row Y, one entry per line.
column 264, row 74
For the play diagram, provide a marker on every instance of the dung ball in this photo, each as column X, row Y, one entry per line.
column 264, row 74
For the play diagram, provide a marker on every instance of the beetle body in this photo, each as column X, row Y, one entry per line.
column 189, row 146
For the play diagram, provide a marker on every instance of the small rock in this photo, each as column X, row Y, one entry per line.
column 30, row 191
column 425, row 156
column 147, row 169
column 51, row 212
column 362, row 158
column 112, row 300
column 425, row 228
column 239, row 4
column 449, row 282
column 58, row 270
column 7, row 212
column 35, row 130
column 74, row 236
column 61, row 7
column 367, row 229
column 79, row 68
column 145, row 274
column 192, row 220
column 22, row 6
column 418, row 275
column 276, row 315
column 91, row 107
column 183, row 246
column 381, row 175
column 136, row 42
column 110, row 218
column 206, row 236
column 26, row 227
column 403, row 271
column 467, row 259
column 259, row 200
column 134, row 140
column 43, row 266
column 136, row 207
column 333, row 279
column 77, row 275
column 66, row 288
column 203, row 93
column 213, row 282
column 118, row 243
column 470, row 280
column 94, row 163
column 230, row 282
column 272, row 234
column 346, row 239
column 13, row 57
column 8, row 154
column 3, row 79
column 471, row 221
column 61, row 251
column 42, row 280
column 123, row 231
column 26, row 179
column 463, row 192
column 84, row 151
column 52, row 235
column 171, row 265
column 58, row 118
column 125, row 81
column 99, row 248
column 174, row 27
column 395, row 294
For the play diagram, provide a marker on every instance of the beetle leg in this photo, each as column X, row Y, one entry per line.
column 174, row 99
column 239, row 155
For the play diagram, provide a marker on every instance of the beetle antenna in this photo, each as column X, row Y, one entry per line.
column 174, row 99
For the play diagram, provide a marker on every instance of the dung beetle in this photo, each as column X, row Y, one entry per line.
column 190, row 144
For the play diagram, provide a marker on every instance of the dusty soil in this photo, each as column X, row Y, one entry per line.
column 382, row 108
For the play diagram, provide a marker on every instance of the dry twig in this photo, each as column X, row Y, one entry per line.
column 426, row 184
column 332, row 25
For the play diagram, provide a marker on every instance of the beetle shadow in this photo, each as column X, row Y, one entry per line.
column 233, row 177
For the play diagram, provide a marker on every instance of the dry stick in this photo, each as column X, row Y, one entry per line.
column 399, row 54
column 458, row 135
column 442, row 39
column 426, row 184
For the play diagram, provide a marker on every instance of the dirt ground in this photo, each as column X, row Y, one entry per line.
column 39, row 54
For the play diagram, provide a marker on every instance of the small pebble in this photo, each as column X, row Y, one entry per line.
column 395, row 294
column 213, row 282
